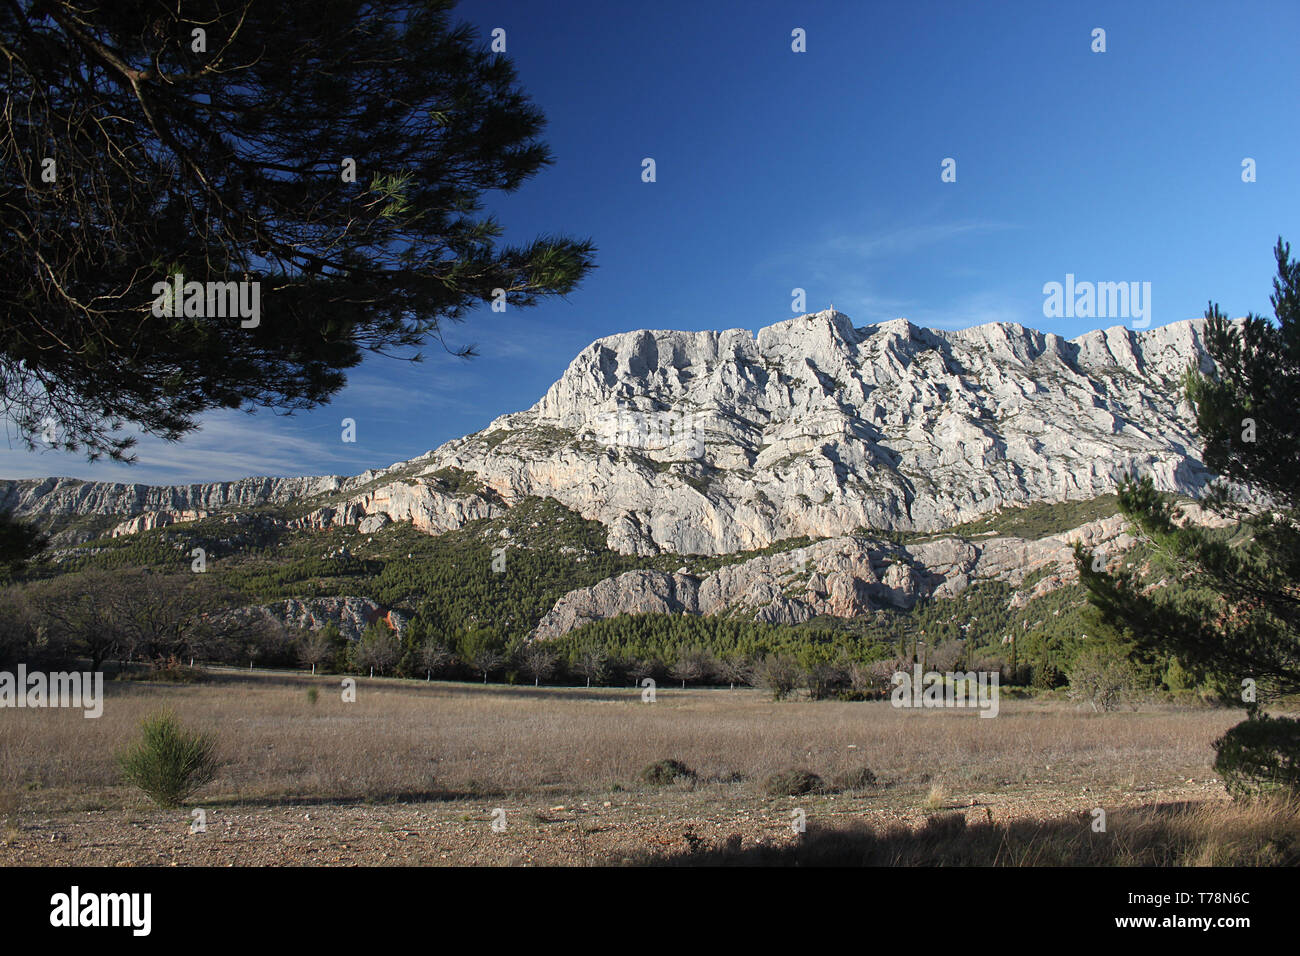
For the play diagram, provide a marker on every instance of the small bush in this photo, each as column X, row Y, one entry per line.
column 792, row 783
column 313, row 694
column 853, row 780
column 169, row 763
column 1048, row 677
column 663, row 772
column 1260, row 756
column 1102, row 678
column 779, row 674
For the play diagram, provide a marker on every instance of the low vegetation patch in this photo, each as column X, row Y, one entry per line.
column 854, row 781
column 661, row 773
column 1260, row 756
column 792, row 783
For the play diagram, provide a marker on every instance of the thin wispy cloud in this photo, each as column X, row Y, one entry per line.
column 860, row 248
column 904, row 240
column 226, row 446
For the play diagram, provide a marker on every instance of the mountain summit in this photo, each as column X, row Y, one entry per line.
column 715, row 442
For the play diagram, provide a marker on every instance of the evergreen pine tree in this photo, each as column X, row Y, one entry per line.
column 1237, row 617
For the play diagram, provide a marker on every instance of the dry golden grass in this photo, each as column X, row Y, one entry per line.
column 408, row 740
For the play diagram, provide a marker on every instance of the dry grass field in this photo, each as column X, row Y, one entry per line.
column 412, row 772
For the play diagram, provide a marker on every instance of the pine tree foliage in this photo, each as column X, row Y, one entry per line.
column 335, row 152
column 1236, row 613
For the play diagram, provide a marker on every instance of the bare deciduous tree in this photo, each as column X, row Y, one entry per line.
column 946, row 656
column 591, row 664
column 144, row 614
column 1102, row 679
column 644, row 667
column 736, row 670
column 377, row 649
column 779, row 673
column 434, row 656
column 485, row 660
column 537, row 661
column 315, row 647
column 691, row 665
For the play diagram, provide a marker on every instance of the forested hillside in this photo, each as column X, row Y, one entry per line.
column 469, row 599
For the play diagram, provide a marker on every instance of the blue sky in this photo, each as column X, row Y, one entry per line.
column 821, row 170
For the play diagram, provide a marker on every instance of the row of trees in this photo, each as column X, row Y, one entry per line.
column 101, row 616
column 162, row 621
column 1100, row 677
column 142, row 617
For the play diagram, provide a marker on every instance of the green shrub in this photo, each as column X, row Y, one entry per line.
column 1048, row 677
column 1260, row 755
column 313, row 694
column 792, row 783
column 1103, row 678
column 169, row 763
column 663, row 772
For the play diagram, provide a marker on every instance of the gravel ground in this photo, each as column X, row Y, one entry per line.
column 586, row 831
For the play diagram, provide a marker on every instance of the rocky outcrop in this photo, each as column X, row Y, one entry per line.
column 717, row 442
column 351, row 614
column 843, row 577
column 154, row 519
column 60, row 496
column 417, row 501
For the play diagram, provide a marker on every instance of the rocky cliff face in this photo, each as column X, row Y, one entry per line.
column 62, row 496
column 351, row 614
column 716, row 442
column 841, row 577
column 423, row 503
